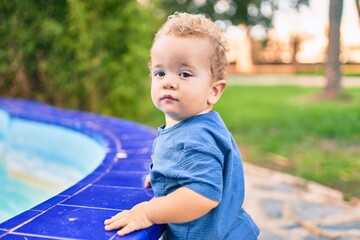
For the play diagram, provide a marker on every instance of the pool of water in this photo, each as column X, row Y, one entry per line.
column 78, row 212
column 39, row 160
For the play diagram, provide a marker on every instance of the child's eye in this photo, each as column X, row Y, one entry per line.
column 185, row 75
column 159, row 74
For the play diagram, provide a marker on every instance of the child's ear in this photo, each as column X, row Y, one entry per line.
column 217, row 88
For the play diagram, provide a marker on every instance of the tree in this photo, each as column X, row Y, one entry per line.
column 248, row 12
column 82, row 54
column 333, row 67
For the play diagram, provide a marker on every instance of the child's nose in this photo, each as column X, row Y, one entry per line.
column 169, row 83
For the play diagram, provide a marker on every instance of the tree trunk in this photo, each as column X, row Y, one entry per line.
column 332, row 68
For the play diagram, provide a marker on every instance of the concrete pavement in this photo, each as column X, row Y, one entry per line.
column 289, row 208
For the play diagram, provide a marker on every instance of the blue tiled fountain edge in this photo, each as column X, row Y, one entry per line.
column 116, row 184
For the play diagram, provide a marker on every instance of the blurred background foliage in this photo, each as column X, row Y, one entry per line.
column 93, row 55
column 88, row 55
column 248, row 12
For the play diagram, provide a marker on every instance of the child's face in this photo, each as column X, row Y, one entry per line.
column 181, row 77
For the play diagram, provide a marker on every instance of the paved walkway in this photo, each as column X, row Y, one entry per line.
column 290, row 208
column 299, row 80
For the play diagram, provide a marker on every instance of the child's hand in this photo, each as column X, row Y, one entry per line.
column 129, row 220
column 147, row 181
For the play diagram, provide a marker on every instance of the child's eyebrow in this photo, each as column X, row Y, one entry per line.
column 156, row 65
column 185, row 65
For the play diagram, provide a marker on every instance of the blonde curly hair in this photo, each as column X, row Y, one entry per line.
column 198, row 25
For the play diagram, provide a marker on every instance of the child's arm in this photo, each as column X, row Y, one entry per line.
column 182, row 205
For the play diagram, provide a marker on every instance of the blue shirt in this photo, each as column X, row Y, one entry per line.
column 199, row 153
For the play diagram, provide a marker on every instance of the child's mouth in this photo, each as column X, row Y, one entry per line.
column 169, row 97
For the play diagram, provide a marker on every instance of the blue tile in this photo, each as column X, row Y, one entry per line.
column 73, row 189
column 2, row 233
column 137, row 143
column 145, row 159
column 109, row 197
column 19, row 219
column 150, row 233
column 141, row 149
column 82, row 184
column 132, row 165
column 49, row 203
column 91, row 178
column 104, row 166
column 70, row 222
column 22, row 237
column 133, row 236
column 154, row 231
column 123, row 179
column 139, row 155
column 132, row 137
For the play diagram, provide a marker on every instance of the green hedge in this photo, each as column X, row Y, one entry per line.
column 82, row 54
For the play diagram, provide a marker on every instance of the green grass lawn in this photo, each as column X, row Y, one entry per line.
column 284, row 128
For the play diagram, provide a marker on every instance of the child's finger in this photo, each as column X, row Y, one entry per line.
column 108, row 221
column 111, row 220
column 127, row 229
column 116, row 217
column 117, row 224
column 117, row 221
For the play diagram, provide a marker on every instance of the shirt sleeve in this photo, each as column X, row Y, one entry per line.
column 200, row 168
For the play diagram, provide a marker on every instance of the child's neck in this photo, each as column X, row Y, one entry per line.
column 170, row 122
